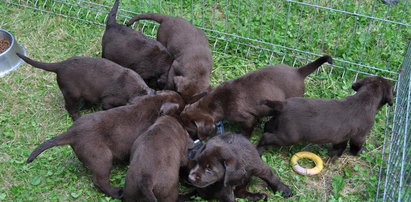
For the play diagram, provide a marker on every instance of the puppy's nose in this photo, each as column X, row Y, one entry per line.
column 193, row 177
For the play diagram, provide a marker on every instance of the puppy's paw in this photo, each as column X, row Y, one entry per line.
column 261, row 150
column 287, row 193
column 75, row 116
column 356, row 152
column 186, row 197
column 255, row 196
column 334, row 154
column 118, row 193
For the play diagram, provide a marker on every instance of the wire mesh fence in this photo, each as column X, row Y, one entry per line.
column 395, row 172
column 289, row 31
column 364, row 37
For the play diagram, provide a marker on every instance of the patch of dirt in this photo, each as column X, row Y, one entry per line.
column 323, row 181
column 4, row 44
column 5, row 157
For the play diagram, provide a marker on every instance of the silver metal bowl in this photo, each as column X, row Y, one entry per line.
column 8, row 59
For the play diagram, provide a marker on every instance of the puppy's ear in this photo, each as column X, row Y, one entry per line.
column 181, row 83
column 169, row 108
column 357, row 85
column 234, row 171
column 197, row 97
column 273, row 104
column 390, row 98
column 190, row 127
column 388, row 94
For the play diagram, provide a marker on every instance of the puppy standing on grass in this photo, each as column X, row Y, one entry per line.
column 236, row 100
column 323, row 121
column 222, row 169
column 131, row 49
column 156, row 158
column 190, row 71
column 94, row 80
column 100, row 138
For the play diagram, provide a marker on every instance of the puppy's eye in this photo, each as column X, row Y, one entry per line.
column 209, row 170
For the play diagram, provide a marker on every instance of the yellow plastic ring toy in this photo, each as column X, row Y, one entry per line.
column 304, row 171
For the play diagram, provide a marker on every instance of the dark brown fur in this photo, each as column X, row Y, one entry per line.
column 323, row 121
column 131, row 49
column 102, row 137
column 236, row 100
column 223, row 167
column 94, row 80
column 190, row 71
column 156, row 158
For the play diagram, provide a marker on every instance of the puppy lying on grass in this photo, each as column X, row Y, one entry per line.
column 94, row 80
column 236, row 100
column 223, row 168
column 323, row 121
column 100, row 138
column 190, row 71
column 156, row 158
column 131, row 49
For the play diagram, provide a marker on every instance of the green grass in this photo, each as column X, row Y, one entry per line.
column 32, row 107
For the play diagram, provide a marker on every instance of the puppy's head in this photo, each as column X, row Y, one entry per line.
column 197, row 122
column 377, row 82
column 214, row 162
column 171, row 96
column 189, row 89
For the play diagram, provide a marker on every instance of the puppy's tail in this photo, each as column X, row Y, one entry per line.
column 111, row 19
column 51, row 67
column 148, row 16
column 275, row 105
column 62, row 139
column 311, row 67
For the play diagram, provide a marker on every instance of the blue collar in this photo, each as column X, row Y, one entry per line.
column 220, row 127
column 192, row 152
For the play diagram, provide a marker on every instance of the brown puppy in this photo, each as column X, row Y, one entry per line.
column 156, row 158
column 102, row 137
column 131, row 49
column 223, row 167
column 94, row 80
column 236, row 100
column 323, row 121
column 190, row 71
